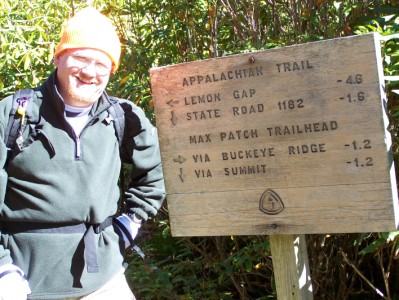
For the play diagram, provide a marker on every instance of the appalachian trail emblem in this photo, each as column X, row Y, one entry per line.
column 271, row 203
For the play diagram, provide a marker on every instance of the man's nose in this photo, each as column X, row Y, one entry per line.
column 90, row 69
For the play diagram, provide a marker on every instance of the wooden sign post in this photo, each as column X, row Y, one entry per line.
column 287, row 141
column 290, row 266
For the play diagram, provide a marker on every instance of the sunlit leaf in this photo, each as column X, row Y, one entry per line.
column 27, row 62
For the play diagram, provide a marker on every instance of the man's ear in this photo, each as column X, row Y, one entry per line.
column 56, row 61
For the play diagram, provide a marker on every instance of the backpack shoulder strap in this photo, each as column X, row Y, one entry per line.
column 118, row 116
column 18, row 116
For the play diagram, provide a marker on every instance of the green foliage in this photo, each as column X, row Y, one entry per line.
column 384, row 239
column 200, row 268
column 159, row 33
column 26, row 45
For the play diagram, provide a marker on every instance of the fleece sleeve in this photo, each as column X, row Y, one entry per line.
column 146, row 190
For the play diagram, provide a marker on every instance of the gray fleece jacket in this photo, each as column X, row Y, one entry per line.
column 63, row 180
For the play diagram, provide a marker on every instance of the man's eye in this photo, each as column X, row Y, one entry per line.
column 101, row 65
column 82, row 59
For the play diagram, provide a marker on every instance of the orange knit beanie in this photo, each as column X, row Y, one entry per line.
column 88, row 28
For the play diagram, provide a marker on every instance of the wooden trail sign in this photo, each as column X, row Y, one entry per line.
column 291, row 140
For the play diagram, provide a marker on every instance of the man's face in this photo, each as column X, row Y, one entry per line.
column 82, row 75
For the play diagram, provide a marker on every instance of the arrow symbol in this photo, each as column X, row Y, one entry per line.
column 180, row 159
column 181, row 176
column 172, row 102
column 173, row 118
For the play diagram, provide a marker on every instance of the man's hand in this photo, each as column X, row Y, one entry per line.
column 129, row 228
column 13, row 284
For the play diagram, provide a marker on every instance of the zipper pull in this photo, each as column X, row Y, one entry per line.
column 22, row 108
column 78, row 152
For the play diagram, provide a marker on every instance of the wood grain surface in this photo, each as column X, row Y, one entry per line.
column 290, row 140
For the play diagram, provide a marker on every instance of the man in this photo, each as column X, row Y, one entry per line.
column 59, row 193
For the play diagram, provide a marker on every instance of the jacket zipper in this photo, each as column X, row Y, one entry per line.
column 78, row 150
